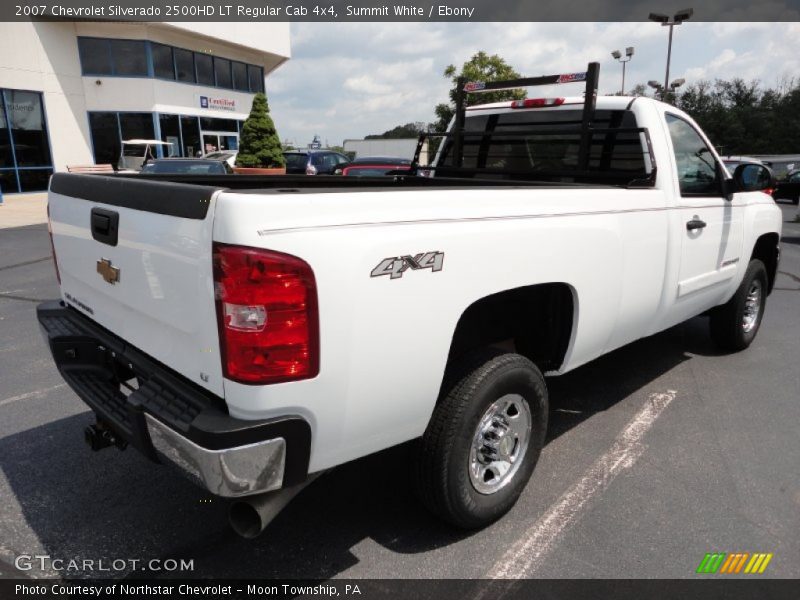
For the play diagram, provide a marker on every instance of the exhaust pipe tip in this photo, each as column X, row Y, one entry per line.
column 246, row 520
column 249, row 516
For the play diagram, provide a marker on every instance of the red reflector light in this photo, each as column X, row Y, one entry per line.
column 52, row 246
column 537, row 102
column 267, row 314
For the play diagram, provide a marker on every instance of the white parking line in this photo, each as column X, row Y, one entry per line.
column 34, row 394
column 529, row 552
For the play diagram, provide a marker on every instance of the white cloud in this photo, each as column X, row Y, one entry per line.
column 347, row 80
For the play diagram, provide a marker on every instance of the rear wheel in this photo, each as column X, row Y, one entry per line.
column 484, row 438
column 734, row 325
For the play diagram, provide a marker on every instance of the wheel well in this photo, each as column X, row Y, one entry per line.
column 766, row 250
column 535, row 321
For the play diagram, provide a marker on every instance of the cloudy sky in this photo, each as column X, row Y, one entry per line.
column 348, row 80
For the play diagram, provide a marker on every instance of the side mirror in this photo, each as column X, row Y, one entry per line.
column 752, row 178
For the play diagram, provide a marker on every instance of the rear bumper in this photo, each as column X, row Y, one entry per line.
column 170, row 419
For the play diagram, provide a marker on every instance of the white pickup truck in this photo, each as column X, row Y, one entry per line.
column 256, row 331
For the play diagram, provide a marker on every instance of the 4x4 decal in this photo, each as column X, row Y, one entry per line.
column 397, row 265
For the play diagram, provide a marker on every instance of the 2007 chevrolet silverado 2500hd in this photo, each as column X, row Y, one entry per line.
column 255, row 331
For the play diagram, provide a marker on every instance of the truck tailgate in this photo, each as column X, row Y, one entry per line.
column 135, row 257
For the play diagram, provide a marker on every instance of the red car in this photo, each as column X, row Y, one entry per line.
column 375, row 166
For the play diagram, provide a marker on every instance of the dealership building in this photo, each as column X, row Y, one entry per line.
column 70, row 92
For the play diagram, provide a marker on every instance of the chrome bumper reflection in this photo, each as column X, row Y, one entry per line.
column 231, row 472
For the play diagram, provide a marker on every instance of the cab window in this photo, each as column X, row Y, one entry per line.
column 698, row 174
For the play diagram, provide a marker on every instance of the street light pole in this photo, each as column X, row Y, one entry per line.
column 669, row 55
column 628, row 56
column 667, row 21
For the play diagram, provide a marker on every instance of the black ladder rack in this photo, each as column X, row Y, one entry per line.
column 590, row 78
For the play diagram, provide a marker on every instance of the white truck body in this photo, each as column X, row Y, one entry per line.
column 625, row 255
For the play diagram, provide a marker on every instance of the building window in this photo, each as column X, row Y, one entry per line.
column 129, row 58
column 163, row 61
column 190, row 131
column 6, row 155
column 255, row 75
column 184, row 65
column 216, row 124
column 104, row 128
column 240, row 77
column 25, row 161
column 95, row 56
column 170, row 133
column 204, row 64
column 141, row 58
column 135, row 126
column 222, row 71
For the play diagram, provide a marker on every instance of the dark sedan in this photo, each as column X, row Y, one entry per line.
column 788, row 188
column 314, row 162
column 186, row 166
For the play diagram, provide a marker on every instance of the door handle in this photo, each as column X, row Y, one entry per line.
column 695, row 223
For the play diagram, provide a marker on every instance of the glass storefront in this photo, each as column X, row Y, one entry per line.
column 25, row 159
column 188, row 136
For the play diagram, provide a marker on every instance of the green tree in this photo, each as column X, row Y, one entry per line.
column 481, row 67
column 409, row 130
column 259, row 143
column 742, row 117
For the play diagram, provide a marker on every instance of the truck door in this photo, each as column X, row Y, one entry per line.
column 711, row 227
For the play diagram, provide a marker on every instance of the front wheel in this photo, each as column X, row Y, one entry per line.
column 484, row 438
column 734, row 325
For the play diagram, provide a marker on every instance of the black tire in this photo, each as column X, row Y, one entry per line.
column 471, row 388
column 727, row 321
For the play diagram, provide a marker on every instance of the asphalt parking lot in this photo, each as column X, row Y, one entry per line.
column 717, row 468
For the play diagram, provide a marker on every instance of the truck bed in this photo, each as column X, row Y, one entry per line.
column 337, row 184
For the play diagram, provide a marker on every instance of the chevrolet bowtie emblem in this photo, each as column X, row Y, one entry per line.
column 109, row 273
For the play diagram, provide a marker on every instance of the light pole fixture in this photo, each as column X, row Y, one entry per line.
column 667, row 21
column 628, row 56
column 676, row 83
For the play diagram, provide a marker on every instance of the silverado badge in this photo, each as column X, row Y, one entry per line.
column 109, row 273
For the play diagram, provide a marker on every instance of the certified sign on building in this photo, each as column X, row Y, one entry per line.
column 212, row 103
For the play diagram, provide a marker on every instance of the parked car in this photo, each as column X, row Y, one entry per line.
column 229, row 156
column 314, row 162
column 260, row 335
column 186, row 166
column 788, row 188
column 375, row 166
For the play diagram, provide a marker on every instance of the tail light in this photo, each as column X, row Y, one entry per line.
column 537, row 102
column 52, row 246
column 267, row 314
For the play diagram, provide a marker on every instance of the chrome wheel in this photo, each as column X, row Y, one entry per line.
column 752, row 306
column 499, row 443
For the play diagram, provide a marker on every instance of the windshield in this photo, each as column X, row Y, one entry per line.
column 296, row 161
